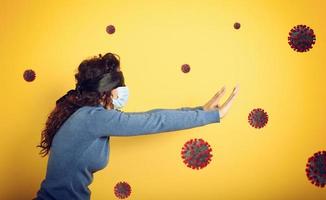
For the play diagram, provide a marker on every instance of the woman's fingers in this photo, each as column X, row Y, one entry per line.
column 226, row 106
column 220, row 92
column 233, row 94
column 213, row 102
column 218, row 96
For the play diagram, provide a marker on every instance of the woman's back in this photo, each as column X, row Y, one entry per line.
column 75, row 154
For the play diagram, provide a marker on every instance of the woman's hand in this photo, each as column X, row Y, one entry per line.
column 213, row 103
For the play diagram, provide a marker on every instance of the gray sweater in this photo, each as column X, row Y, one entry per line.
column 81, row 145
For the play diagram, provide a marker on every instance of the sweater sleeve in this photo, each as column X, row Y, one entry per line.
column 160, row 109
column 113, row 122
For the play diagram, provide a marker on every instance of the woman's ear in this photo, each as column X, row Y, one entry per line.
column 114, row 94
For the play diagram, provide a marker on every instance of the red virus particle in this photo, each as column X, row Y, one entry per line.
column 301, row 38
column 185, row 68
column 258, row 118
column 110, row 29
column 196, row 153
column 236, row 25
column 316, row 169
column 122, row 190
column 29, row 75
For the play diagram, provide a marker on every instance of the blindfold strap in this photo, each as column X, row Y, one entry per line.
column 107, row 82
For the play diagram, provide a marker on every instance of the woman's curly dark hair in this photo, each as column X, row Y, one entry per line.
column 90, row 71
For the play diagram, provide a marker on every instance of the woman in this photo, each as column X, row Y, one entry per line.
column 79, row 128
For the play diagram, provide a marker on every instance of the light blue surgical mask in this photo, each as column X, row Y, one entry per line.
column 123, row 94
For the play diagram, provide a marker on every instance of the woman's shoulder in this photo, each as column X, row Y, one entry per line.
column 91, row 110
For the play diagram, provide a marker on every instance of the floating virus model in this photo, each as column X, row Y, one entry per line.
column 236, row 25
column 122, row 190
column 185, row 68
column 301, row 38
column 258, row 118
column 29, row 75
column 196, row 153
column 110, row 29
column 316, row 169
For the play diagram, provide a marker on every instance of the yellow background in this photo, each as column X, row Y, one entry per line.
column 153, row 39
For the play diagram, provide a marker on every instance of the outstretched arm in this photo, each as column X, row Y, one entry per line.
column 117, row 123
column 160, row 109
